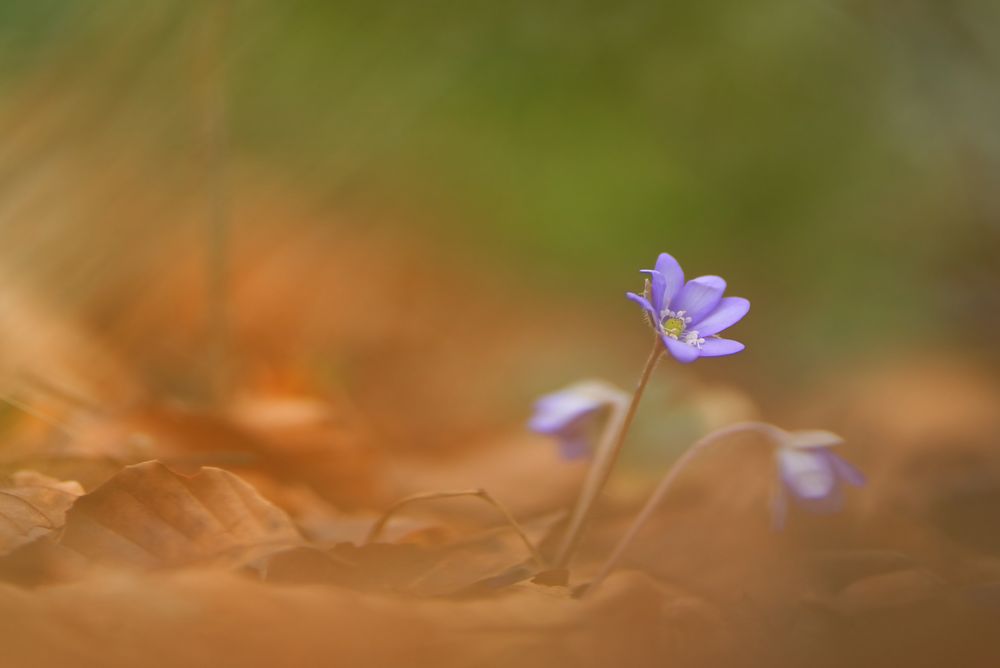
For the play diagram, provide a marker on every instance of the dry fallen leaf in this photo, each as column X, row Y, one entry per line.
column 430, row 562
column 147, row 516
column 32, row 505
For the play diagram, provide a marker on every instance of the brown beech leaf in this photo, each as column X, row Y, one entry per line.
column 412, row 569
column 32, row 505
column 148, row 516
column 429, row 562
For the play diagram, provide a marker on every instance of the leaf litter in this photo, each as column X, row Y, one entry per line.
column 186, row 533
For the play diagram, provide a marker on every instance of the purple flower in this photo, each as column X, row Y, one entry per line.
column 689, row 316
column 573, row 415
column 811, row 474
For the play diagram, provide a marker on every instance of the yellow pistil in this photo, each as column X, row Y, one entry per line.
column 673, row 327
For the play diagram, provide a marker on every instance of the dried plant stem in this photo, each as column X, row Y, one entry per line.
column 377, row 528
column 37, row 413
column 605, row 457
column 211, row 66
column 586, row 498
column 667, row 483
column 70, row 397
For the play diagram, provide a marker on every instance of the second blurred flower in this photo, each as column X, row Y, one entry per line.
column 575, row 414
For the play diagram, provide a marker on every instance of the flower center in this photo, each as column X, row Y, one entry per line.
column 674, row 324
column 674, row 327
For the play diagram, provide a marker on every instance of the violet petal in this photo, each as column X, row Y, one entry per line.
column 813, row 438
column 657, row 285
column 644, row 303
column 714, row 347
column 729, row 311
column 680, row 351
column 555, row 412
column 699, row 297
column 673, row 277
column 846, row 471
column 807, row 474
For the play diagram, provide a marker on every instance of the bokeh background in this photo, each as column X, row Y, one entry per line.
column 338, row 248
column 439, row 196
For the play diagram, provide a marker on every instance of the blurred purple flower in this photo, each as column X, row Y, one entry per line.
column 573, row 415
column 689, row 316
column 811, row 474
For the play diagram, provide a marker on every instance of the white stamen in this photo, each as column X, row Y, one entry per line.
column 691, row 338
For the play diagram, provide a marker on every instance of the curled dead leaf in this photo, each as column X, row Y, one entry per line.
column 429, row 563
column 32, row 505
column 148, row 516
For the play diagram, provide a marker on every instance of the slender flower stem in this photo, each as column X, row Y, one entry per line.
column 379, row 525
column 665, row 485
column 34, row 412
column 217, row 224
column 602, row 452
column 612, row 442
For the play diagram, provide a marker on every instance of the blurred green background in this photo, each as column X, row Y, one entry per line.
column 836, row 161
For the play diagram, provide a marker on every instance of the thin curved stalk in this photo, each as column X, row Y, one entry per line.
column 39, row 414
column 211, row 83
column 379, row 525
column 605, row 458
column 769, row 431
